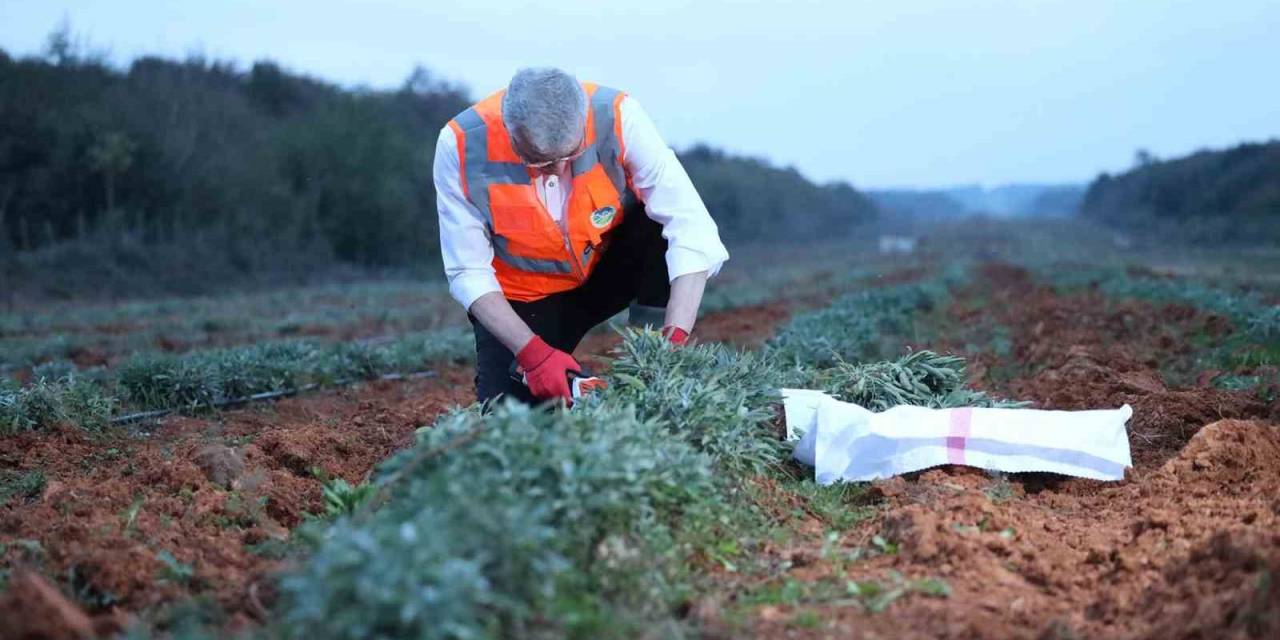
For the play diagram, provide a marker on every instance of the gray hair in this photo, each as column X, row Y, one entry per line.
column 545, row 111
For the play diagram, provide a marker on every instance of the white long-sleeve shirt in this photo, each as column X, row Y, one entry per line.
column 693, row 241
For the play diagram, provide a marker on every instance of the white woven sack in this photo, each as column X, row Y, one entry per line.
column 844, row 441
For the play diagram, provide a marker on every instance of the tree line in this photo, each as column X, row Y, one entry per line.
column 1228, row 196
column 247, row 167
column 171, row 175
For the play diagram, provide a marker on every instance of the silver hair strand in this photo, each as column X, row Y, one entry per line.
column 546, row 109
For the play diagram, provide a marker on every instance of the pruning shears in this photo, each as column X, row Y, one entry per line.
column 581, row 384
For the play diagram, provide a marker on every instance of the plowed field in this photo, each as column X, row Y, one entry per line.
column 1188, row 545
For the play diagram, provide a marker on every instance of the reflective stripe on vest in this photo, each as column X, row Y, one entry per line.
column 480, row 173
column 522, row 263
column 606, row 147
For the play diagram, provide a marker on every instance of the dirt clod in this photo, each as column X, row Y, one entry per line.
column 34, row 608
column 1234, row 451
column 221, row 464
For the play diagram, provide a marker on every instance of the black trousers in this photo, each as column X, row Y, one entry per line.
column 633, row 269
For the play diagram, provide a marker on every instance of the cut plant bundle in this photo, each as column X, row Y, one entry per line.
column 920, row 378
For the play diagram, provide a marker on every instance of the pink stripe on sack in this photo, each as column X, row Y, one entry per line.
column 961, row 420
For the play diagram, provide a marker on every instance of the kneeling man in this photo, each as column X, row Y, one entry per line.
column 560, row 206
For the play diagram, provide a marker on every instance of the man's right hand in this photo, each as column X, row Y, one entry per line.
column 546, row 370
column 675, row 335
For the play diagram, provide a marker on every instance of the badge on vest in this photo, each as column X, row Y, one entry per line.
column 600, row 218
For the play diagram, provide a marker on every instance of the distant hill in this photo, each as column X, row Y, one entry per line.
column 753, row 200
column 1228, row 195
column 1005, row 201
column 918, row 203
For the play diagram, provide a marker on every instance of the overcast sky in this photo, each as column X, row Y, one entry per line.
column 878, row 92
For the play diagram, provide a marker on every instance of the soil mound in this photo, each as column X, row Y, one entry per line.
column 1230, row 452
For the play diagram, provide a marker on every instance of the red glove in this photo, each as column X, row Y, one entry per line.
column 546, row 370
column 675, row 335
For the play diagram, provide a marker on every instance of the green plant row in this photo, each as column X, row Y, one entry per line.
column 524, row 522
column 864, row 326
column 557, row 523
column 30, row 339
column 345, row 302
column 45, row 403
column 204, row 379
column 566, row 523
column 762, row 286
column 511, row 522
column 1259, row 320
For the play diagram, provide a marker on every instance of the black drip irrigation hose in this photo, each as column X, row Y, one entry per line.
column 267, row 395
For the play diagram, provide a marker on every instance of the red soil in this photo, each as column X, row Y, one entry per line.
column 1085, row 351
column 204, row 490
column 209, row 490
column 1188, row 550
column 745, row 327
column 748, row 327
column 35, row 608
column 1186, row 547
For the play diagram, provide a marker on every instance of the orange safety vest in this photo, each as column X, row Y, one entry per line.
column 531, row 255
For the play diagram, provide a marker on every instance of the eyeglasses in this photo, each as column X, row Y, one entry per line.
column 547, row 163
